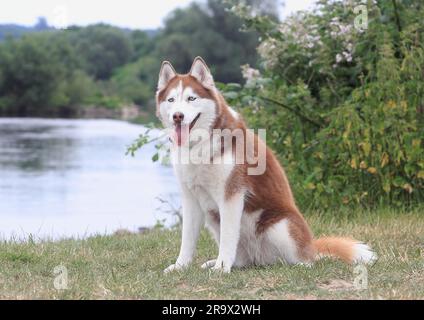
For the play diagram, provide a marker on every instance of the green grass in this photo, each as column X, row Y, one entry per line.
column 130, row 266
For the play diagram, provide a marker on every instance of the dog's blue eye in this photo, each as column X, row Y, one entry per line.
column 191, row 98
column 171, row 100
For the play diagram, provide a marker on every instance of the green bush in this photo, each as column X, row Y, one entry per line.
column 343, row 108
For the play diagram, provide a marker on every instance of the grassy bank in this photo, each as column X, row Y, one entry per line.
column 128, row 266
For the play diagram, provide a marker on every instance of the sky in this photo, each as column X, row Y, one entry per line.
column 141, row 14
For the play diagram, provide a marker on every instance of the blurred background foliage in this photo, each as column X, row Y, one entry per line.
column 50, row 72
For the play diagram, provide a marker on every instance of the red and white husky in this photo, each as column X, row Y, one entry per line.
column 253, row 217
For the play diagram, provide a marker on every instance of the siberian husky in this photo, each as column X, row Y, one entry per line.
column 252, row 216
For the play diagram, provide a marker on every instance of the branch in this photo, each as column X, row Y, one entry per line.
column 300, row 115
column 397, row 17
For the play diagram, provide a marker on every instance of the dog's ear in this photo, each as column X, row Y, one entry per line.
column 166, row 73
column 201, row 72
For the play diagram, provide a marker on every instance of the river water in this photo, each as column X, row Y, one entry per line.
column 71, row 178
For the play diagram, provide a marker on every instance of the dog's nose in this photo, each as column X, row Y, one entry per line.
column 178, row 117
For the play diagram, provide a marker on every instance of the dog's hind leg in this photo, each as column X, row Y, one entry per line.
column 291, row 241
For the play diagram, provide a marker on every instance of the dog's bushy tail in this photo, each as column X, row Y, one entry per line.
column 346, row 249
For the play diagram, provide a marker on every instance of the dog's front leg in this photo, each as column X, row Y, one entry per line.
column 193, row 219
column 230, row 218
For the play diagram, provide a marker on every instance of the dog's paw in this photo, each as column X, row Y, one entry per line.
column 174, row 267
column 221, row 266
column 208, row 264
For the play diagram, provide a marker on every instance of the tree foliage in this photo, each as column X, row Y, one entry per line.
column 210, row 32
column 102, row 49
column 37, row 71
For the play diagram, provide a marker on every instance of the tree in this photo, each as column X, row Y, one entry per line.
column 143, row 44
column 39, row 75
column 211, row 32
column 31, row 73
column 136, row 82
column 102, row 48
column 42, row 24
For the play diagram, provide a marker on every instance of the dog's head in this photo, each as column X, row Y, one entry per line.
column 186, row 101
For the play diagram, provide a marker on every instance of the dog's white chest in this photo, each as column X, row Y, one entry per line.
column 204, row 179
column 193, row 176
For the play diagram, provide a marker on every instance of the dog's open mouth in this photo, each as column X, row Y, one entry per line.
column 182, row 131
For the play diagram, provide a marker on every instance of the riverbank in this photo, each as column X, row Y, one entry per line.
column 129, row 266
column 131, row 113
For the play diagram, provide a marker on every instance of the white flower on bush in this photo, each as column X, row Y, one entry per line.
column 250, row 73
column 347, row 56
column 303, row 34
column 269, row 52
column 300, row 32
column 344, row 33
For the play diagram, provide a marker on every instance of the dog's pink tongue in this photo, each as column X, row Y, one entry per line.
column 181, row 134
